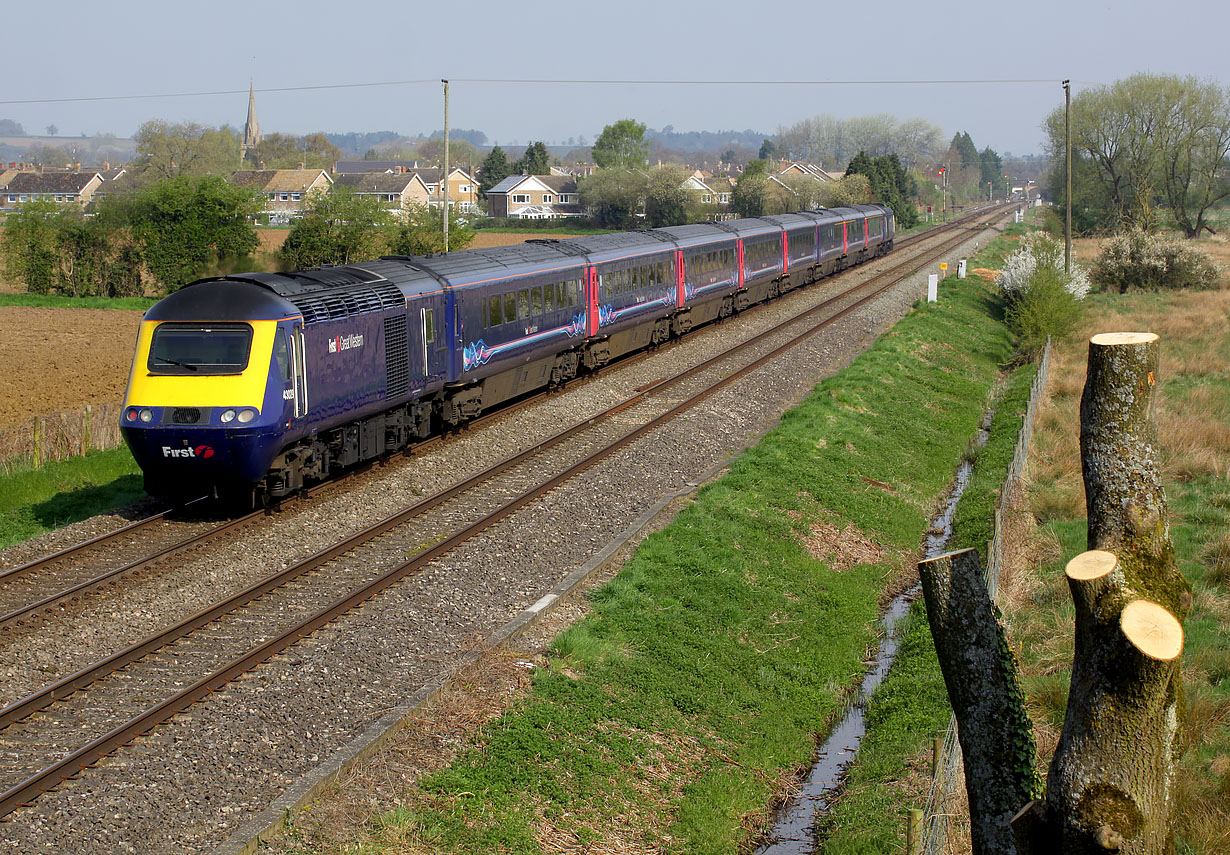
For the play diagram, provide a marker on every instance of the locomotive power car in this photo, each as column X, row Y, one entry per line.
column 249, row 386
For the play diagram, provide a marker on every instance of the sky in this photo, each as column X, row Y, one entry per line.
column 756, row 67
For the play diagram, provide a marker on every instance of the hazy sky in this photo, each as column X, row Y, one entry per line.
column 128, row 48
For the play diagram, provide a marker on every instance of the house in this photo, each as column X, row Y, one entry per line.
column 61, row 187
column 534, row 197
column 286, row 191
column 709, row 189
column 462, row 186
column 394, row 190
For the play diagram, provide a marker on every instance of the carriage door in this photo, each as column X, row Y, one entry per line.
column 298, row 364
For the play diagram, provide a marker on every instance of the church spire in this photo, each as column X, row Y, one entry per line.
column 251, row 128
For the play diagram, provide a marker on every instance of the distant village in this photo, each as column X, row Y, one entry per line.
column 397, row 185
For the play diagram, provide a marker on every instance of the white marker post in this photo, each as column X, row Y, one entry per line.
column 961, row 269
column 933, row 287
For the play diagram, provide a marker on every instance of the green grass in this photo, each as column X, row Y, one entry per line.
column 911, row 707
column 36, row 501
column 561, row 230
column 139, row 304
column 708, row 665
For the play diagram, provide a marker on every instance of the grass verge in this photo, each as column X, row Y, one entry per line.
column 35, row 501
column 139, row 304
column 691, row 695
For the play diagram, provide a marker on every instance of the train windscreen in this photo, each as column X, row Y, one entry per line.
column 200, row 348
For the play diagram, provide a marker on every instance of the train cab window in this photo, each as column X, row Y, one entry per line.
column 429, row 325
column 281, row 352
column 523, row 304
column 510, row 307
column 199, row 348
column 536, row 299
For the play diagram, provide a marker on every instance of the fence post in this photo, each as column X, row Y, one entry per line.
column 913, row 833
column 38, row 460
column 85, row 443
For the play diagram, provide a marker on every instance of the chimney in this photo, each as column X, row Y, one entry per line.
column 106, row 166
column 301, row 164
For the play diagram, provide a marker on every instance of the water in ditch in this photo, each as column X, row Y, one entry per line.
column 792, row 829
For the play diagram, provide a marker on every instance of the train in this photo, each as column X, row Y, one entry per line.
column 250, row 387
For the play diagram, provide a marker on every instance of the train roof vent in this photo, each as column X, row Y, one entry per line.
column 346, row 302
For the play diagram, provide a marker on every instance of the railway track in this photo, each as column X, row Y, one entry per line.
column 55, row 581
column 41, row 743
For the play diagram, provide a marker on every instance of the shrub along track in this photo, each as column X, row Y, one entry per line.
column 207, row 646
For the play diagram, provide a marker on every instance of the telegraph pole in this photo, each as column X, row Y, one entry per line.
column 1067, row 143
column 444, row 169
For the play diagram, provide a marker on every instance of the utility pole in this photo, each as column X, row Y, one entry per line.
column 444, row 169
column 1067, row 143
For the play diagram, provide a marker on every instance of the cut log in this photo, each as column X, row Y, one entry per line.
column 1111, row 781
column 997, row 741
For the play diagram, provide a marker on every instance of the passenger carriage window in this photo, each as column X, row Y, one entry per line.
column 496, row 306
column 548, row 295
column 510, row 307
column 572, row 291
column 536, row 298
column 523, row 304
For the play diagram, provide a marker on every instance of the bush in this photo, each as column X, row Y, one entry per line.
column 1038, row 252
column 1137, row 259
column 1042, row 299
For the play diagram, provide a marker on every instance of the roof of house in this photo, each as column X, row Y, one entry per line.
column 51, row 182
column 559, row 183
column 554, row 183
column 378, row 182
column 344, row 167
column 6, row 175
column 279, row 180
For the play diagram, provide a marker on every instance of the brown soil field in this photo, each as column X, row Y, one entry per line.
column 62, row 359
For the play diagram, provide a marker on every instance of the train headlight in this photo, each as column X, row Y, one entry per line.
column 246, row 416
column 227, row 417
column 147, row 416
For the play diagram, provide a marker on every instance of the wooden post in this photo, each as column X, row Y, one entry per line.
column 85, row 444
column 37, row 442
column 1111, row 785
column 979, row 670
column 913, row 832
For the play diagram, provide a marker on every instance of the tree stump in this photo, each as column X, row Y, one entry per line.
column 1111, row 782
column 997, row 741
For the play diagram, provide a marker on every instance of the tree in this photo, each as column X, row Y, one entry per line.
column 535, row 161
column 890, row 183
column 165, row 150
column 190, row 223
column 9, row 128
column 29, row 244
column 621, row 144
column 339, row 227
column 612, row 197
column 751, row 191
column 767, row 150
column 53, row 131
column 666, row 198
column 495, row 169
column 421, row 231
column 1151, row 139
column 280, row 151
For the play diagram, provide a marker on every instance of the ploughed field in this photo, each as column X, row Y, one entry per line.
column 63, row 359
